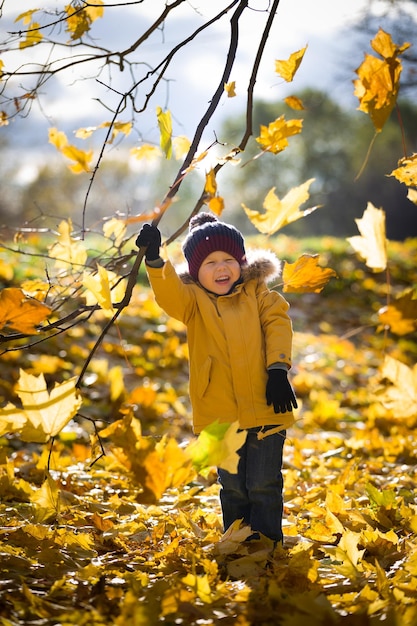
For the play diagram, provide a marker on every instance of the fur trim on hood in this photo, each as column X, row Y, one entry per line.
column 261, row 265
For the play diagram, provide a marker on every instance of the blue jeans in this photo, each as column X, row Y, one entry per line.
column 254, row 494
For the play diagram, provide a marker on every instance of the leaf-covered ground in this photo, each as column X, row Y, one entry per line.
column 135, row 538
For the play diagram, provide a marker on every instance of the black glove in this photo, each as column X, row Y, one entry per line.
column 279, row 392
column 149, row 238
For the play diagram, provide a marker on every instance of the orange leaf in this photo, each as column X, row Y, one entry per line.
column 305, row 276
column 20, row 313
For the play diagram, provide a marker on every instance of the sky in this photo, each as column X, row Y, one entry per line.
column 321, row 25
column 315, row 23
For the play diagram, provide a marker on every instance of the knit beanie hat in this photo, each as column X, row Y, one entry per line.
column 206, row 235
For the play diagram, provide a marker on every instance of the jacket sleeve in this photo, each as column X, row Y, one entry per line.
column 276, row 325
column 172, row 295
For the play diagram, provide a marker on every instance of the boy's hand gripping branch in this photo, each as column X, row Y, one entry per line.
column 149, row 238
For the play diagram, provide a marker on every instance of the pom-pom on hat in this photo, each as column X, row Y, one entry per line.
column 207, row 234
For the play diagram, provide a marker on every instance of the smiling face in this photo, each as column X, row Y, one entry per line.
column 218, row 272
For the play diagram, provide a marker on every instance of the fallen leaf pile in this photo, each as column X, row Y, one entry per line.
column 134, row 536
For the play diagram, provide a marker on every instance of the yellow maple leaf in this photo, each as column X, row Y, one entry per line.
column 165, row 131
column 378, row 79
column 102, row 287
column 401, row 315
column 181, row 144
column 278, row 213
column 81, row 157
column 117, row 127
column 217, row 446
column 287, row 68
column 294, row 103
column 210, row 186
column 406, row 172
column 305, row 275
column 33, row 36
column 216, row 205
column 148, row 152
column 57, row 138
column 230, row 89
column 43, row 414
column 116, row 228
column 348, row 554
column 371, row 245
column 412, row 195
column 46, row 500
column 79, row 19
column 399, row 390
column 21, row 313
column 67, row 251
column 274, row 137
column 201, row 586
column 26, row 17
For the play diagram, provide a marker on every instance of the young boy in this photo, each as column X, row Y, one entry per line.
column 240, row 339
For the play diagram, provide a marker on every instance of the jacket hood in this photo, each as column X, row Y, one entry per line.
column 261, row 265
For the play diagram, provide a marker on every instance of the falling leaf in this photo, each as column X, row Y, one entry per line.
column 43, row 414
column 230, row 89
column 57, row 138
column 103, row 288
column 407, row 171
column 20, row 313
column 216, row 205
column 217, row 446
column 165, row 131
column 26, row 17
column 274, row 137
column 278, row 213
column 148, row 152
column 305, row 275
column 379, row 79
column 412, row 194
column 210, row 186
column 82, row 159
column 400, row 394
column 371, row 244
column 116, row 128
column 294, row 103
column 33, row 36
column 287, row 69
column 181, row 146
column 401, row 315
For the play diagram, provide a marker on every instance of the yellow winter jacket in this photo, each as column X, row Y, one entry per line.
column 232, row 340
